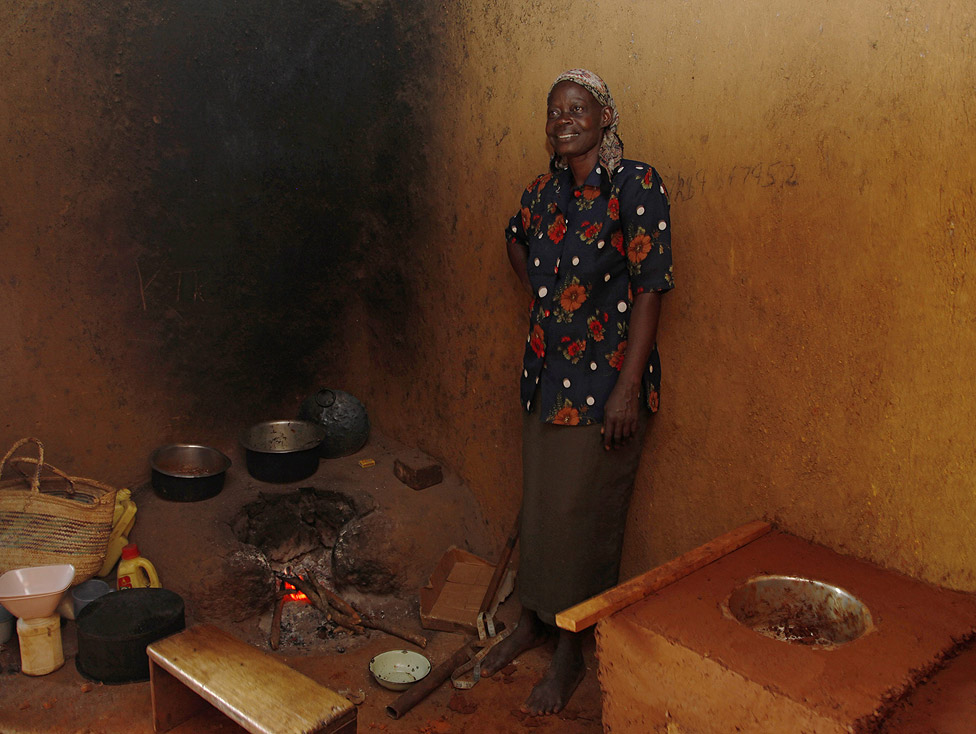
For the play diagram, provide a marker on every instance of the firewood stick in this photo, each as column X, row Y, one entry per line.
column 384, row 626
column 343, row 621
column 322, row 605
column 307, row 589
column 275, row 640
column 334, row 600
column 391, row 629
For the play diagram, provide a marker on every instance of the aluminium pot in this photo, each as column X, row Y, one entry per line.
column 188, row 472
column 282, row 451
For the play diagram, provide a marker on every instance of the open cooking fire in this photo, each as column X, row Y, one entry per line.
column 295, row 594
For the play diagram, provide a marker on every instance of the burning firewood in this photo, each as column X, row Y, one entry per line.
column 320, row 601
column 275, row 640
column 343, row 613
column 333, row 599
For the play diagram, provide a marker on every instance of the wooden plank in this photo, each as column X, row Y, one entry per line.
column 172, row 702
column 260, row 693
column 589, row 612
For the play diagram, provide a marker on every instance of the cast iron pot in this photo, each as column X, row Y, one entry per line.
column 114, row 630
column 183, row 472
column 282, row 451
column 344, row 418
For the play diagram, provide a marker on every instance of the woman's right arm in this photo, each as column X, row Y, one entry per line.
column 518, row 256
column 518, row 241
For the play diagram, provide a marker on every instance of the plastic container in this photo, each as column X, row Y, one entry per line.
column 6, row 625
column 84, row 594
column 115, row 629
column 136, row 572
column 122, row 522
column 40, row 645
column 35, row 592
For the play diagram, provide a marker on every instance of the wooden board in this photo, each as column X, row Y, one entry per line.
column 204, row 665
column 587, row 613
column 452, row 597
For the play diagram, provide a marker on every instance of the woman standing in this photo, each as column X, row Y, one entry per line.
column 592, row 244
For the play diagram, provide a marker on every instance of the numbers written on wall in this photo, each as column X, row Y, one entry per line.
column 777, row 174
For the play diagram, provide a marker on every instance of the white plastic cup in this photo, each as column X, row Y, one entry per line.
column 85, row 593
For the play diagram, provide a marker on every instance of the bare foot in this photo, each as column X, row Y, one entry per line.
column 565, row 672
column 528, row 633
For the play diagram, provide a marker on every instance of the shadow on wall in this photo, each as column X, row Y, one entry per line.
column 287, row 140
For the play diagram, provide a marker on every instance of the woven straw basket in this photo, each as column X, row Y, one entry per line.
column 48, row 517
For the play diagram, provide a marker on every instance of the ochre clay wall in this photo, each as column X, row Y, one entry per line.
column 208, row 211
column 817, row 347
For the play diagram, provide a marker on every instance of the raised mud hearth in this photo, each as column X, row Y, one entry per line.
column 681, row 660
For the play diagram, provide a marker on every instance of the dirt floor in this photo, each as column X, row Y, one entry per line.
column 190, row 544
column 193, row 546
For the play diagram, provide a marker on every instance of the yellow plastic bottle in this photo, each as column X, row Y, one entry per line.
column 136, row 572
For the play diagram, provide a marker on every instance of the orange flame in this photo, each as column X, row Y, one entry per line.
column 295, row 595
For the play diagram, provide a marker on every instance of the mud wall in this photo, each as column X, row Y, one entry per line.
column 817, row 346
column 190, row 195
column 209, row 210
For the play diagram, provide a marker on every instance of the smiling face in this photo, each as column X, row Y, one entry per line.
column 575, row 123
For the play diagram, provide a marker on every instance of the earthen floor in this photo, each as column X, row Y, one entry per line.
column 64, row 702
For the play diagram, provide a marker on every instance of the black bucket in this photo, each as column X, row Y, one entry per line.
column 115, row 629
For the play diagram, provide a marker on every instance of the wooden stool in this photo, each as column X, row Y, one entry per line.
column 204, row 665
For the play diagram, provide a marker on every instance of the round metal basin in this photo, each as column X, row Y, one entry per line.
column 800, row 611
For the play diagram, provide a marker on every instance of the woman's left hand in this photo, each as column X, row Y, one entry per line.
column 620, row 416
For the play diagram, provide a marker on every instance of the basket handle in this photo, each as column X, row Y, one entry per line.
column 53, row 469
column 35, row 482
column 70, row 479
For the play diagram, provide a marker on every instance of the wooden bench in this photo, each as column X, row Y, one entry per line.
column 205, row 665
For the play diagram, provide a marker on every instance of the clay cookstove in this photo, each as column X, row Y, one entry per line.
column 708, row 654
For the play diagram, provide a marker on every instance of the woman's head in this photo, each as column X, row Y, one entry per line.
column 567, row 88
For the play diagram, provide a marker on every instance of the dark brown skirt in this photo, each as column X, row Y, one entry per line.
column 575, row 495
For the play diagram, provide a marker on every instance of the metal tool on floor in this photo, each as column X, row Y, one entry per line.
column 468, row 674
column 467, row 658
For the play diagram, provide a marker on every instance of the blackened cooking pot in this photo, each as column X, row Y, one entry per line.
column 114, row 630
column 344, row 418
column 187, row 472
column 282, row 451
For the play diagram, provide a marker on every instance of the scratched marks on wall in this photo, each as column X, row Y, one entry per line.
column 686, row 184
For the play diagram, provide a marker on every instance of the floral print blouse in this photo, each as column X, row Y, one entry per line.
column 591, row 249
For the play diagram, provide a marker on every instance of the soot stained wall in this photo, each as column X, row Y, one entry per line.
column 286, row 149
column 192, row 195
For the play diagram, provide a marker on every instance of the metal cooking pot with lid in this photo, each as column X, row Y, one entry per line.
column 282, row 451
column 343, row 417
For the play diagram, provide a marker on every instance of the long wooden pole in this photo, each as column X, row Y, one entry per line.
column 501, row 567
column 587, row 613
column 424, row 687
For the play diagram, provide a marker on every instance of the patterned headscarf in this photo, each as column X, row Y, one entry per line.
column 612, row 148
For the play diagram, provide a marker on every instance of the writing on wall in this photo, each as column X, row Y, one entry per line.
column 685, row 185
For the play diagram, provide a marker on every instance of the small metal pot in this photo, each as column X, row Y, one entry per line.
column 282, row 451
column 185, row 472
